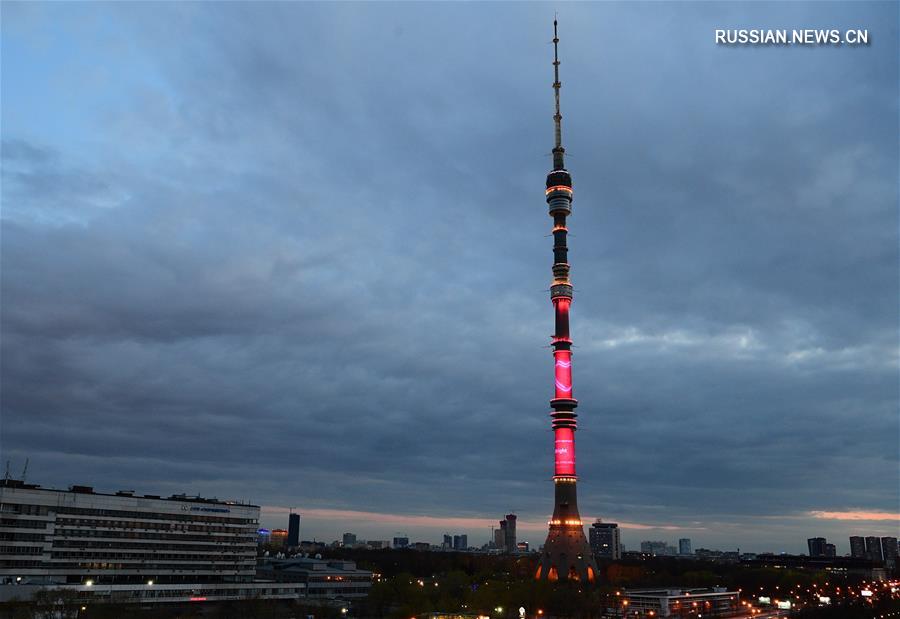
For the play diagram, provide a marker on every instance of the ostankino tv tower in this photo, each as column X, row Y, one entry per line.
column 566, row 553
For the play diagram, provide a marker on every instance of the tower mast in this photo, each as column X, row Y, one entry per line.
column 558, row 149
column 566, row 553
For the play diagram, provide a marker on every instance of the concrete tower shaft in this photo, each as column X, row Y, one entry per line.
column 566, row 554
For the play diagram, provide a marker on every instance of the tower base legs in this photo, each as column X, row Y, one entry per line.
column 567, row 556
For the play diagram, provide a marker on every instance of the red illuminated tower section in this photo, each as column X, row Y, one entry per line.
column 566, row 554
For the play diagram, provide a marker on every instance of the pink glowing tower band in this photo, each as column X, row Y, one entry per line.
column 566, row 554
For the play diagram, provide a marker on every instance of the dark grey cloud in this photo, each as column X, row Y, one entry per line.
column 299, row 256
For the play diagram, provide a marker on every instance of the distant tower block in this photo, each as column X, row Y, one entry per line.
column 566, row 555
column 510, row 529
column 293, row 538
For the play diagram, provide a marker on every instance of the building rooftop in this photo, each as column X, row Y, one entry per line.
column 78, row 489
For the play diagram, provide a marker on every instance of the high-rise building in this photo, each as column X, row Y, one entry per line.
column 400, row 542
column 293, row 538
column 460, row 542
column 447, row 542
column 349, row 539
column 816, row 546
column 889, row 550
column 510, row 531
column 830, row 550
column 279, row 537
column 604, row 540
column 684, row 546
column 857, row 547
column 873, row 548
column 500, row 536
column 566, row 553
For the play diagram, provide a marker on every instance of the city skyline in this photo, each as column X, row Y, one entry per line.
column 478, row 530
column 247, row 254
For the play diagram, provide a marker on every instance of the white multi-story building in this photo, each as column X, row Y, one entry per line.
column 87, row 538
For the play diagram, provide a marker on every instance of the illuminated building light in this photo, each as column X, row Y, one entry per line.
column 564, row 452
column 559, row 188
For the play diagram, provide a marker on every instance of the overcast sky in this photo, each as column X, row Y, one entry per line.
column 298, row 254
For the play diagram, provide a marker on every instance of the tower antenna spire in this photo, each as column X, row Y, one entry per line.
column 558, row 150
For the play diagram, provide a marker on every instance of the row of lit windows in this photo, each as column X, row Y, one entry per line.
column 330, row 579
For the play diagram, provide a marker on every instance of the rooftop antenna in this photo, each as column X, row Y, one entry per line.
column 558, row 149
column 7, row 471
column 25, row 470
